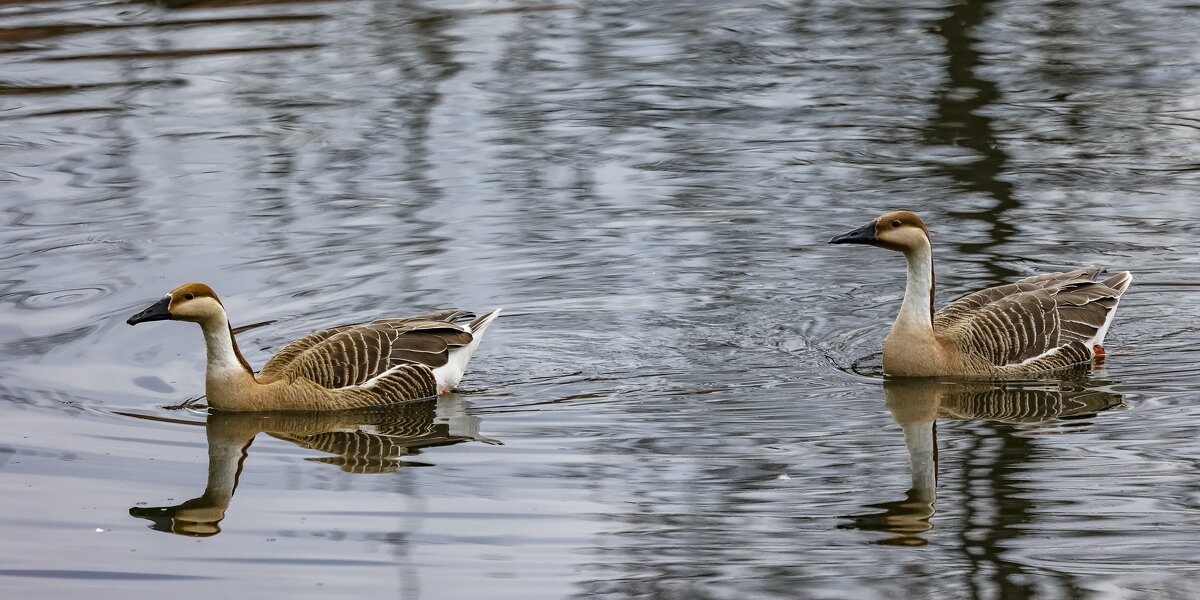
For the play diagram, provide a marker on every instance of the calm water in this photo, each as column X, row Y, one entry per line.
column 684, row 399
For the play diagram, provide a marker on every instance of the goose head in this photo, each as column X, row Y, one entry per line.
column 193, row 302
column 901, row 231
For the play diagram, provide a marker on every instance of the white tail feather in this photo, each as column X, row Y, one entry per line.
column 449, row 374
column 1122, row 285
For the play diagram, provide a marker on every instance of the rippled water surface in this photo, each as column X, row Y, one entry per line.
column 684, row 398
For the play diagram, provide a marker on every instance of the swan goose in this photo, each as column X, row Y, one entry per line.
column 1041, row 323
column 350, row 366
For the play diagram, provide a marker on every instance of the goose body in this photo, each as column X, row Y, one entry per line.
column 350, row 366
column 1041, row 323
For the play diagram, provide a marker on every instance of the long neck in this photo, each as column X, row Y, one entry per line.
column 917, row 309
column 228, row 372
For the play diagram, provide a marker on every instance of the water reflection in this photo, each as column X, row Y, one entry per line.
column 917, row 403
column 961, row 121
column 643, row 180
column 360, row 441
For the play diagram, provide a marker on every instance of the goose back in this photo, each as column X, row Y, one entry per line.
column 353, row 355
column 1039, row 323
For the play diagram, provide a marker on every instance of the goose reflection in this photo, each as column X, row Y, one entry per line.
column 361, row 441
column 917, row 403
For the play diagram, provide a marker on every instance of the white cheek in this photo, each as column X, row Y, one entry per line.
column 909, row 236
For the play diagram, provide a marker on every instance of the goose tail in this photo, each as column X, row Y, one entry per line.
column 449, row 374
column 1118, row 283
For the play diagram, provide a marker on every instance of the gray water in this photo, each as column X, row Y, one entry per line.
column 684, row 398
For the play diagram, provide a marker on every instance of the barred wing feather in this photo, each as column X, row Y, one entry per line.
column 354, row 355
column 1055, row 317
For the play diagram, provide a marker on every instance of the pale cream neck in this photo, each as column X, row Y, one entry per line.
column 228, row 375
column 916, row 312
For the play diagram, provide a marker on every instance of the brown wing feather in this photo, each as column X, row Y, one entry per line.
column 1083, row 309
column 1010, row 324
column 278, row 363
column 1009, row 330
column 966, row 306
column 450, row 315
column 351, row 355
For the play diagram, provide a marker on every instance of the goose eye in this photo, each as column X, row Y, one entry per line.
column 189, row 296
column 896, row 223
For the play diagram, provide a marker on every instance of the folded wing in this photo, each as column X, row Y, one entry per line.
column 1056, row 318
column 352, row 355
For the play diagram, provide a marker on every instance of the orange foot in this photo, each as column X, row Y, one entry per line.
column 1098, row 350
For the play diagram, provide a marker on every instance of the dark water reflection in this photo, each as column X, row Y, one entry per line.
column 686, row 380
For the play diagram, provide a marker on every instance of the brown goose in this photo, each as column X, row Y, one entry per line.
column 351, row 366
column 1040, row 323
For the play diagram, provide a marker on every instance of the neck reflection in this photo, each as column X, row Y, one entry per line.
column 917, row 403
column 376, row 440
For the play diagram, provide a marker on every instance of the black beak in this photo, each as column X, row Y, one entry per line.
column 155, row 312
column 862, row 235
